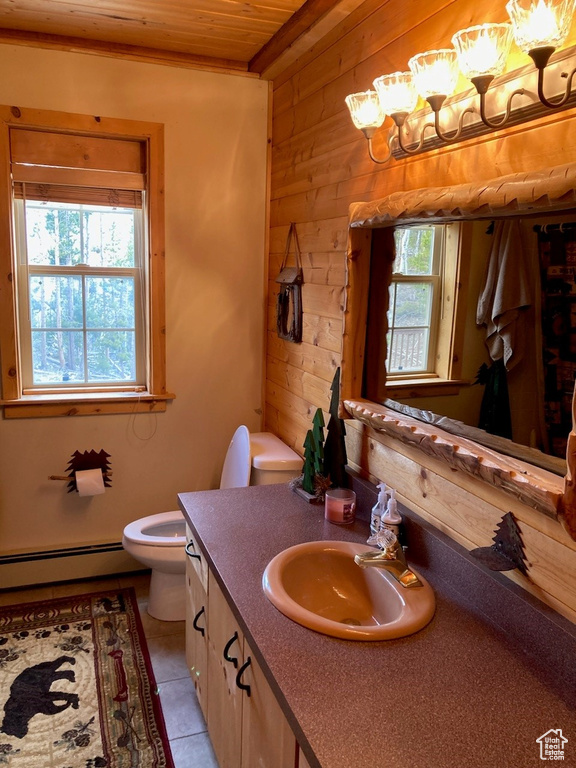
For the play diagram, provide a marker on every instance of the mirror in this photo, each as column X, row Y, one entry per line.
column 539, row 262
column 544, row 194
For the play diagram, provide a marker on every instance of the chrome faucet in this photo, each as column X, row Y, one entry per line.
column 390, row 556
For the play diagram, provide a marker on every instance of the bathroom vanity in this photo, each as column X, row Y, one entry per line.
column 492, row 672
column 246, row 723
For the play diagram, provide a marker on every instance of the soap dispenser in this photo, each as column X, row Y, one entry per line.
column 391, row 518
column 378, row 509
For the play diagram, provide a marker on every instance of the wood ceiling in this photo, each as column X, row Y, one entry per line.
column 237, row 35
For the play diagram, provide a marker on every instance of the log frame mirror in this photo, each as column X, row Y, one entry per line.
column 551, row 190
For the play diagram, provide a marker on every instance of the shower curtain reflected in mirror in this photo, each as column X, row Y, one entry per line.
column 557, row 256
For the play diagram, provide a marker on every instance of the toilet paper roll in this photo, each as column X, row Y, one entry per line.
column 90, row 482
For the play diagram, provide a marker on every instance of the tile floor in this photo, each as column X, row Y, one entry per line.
column 189, row 741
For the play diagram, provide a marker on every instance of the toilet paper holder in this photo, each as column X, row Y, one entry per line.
column 81, row 461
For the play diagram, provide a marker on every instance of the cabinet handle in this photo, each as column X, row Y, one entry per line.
column 226, row 654
column 239, row 683
column 191, row 554
column 195, row 622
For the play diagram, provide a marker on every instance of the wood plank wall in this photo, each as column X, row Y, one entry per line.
column 320, row 166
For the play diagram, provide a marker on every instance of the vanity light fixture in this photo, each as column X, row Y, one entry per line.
column 480, row 53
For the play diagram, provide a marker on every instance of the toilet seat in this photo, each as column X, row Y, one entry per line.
column 142, row 531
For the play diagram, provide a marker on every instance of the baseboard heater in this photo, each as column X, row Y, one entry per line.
column 64, row 564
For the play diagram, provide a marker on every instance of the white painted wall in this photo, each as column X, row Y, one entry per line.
column 215, row 143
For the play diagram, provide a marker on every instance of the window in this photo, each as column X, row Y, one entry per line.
column 411, row 334
column 86, row 293
column 81, row 292
column 414, row 303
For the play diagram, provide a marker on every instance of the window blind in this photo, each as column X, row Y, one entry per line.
column 43, row 157
column 54, row 193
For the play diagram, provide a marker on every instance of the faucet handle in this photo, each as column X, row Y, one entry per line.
column 384, row 539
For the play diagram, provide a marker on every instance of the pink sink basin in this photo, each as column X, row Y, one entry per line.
column 318, row 585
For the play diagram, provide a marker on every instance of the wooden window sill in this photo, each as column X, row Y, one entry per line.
column 84, row 404
column 401, row 389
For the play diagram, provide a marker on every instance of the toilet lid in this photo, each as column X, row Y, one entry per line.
column 236, row 469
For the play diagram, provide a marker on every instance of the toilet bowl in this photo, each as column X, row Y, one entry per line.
column 158, row 541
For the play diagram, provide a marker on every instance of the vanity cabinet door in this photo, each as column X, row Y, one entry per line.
column 246, row 724
column 225, row 659
column 196, row 558
column 267, row 739
column 197, row 634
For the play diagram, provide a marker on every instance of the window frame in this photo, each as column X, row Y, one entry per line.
column 83, row 271
column 155, row 395
column 374, row 267
column 434, row 279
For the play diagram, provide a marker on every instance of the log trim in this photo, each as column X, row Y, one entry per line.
column 536, row 488
column 517, row 193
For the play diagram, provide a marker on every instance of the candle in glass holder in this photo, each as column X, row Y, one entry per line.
column 340, row 506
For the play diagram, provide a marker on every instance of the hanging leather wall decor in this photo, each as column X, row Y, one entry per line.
column 289, row 302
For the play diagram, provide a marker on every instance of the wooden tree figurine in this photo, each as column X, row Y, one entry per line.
column 314, row 454
column 310, row 461
column 318, row 432
column 335, row 446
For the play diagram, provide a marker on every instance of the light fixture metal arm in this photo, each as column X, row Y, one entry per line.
column 400, row 120
column 490, row 122
column 540, row 57
column 482, row 83
column 369, row 132
column 436, row 103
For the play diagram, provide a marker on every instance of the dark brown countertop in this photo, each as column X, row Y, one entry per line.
column 455, row 694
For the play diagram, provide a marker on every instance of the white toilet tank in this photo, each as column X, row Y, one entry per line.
column 272, row 460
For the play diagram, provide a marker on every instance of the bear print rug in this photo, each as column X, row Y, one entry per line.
column 76, row 686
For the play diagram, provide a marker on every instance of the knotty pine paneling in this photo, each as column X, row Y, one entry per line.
column 300, row 411
column 319, row 165
column 331, row 236
column 383, row 24
column 324, row 333
column 550, row 141
column 290, row 75
column 317, row 268
column 305, row 385
column 304, row 357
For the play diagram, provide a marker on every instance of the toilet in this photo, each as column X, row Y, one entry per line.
column 158, row 541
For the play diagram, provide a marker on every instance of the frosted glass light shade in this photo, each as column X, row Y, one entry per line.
column 435, row 72
column 396, row 92
column 365, row 109
column 540, row 23
column 483, row 49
